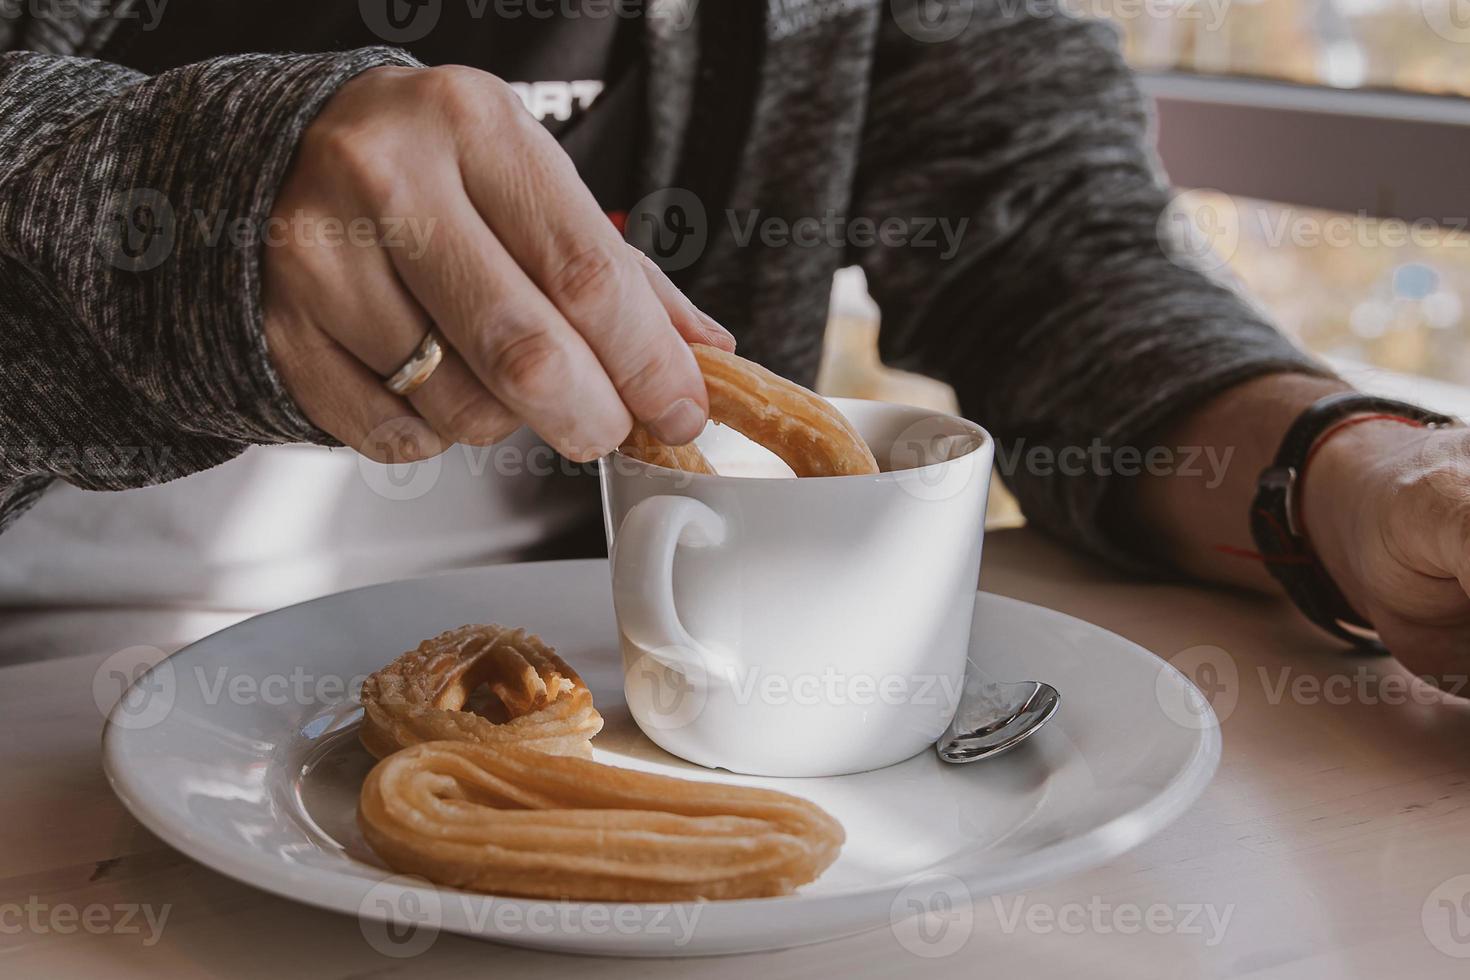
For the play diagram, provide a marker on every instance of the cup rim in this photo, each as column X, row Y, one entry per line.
column 986, row 439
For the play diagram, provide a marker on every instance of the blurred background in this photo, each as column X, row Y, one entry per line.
column 1412, row 45
column 1383, row 299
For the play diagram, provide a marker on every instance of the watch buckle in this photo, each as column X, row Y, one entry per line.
column 1283, row 478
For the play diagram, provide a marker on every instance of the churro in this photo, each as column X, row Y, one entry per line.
column 421, row 696
column 509, row 820
column 641, row 444
column 809, row 435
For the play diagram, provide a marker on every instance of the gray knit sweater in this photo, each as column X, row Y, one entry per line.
column 1056, row 315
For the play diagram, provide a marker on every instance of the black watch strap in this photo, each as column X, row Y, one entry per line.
column 1282, row 542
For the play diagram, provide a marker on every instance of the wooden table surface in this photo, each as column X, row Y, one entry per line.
column 1334, row 842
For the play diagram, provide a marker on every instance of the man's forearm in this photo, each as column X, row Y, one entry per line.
column 1193, row 518
column 1067, row 319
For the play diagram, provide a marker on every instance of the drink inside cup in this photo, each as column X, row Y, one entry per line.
column 732, row 454
column 919, row 443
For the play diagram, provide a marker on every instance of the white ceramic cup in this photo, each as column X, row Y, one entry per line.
column 812, row 627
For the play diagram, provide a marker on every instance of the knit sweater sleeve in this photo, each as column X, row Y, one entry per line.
column 132, row 212
column 1057, row 305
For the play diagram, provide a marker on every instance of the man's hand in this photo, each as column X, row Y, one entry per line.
column 1387, row 507
column 554, row 321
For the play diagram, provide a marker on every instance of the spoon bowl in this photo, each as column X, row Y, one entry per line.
column 995, row 718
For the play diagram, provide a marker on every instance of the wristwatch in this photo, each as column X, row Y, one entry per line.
column 1282, row 541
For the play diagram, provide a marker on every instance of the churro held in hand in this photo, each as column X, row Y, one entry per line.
column 641, row 444
column 803, row 429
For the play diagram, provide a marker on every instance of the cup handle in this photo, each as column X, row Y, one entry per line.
column 643, row 580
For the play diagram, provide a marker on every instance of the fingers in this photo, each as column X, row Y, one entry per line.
column 511, row 337
column 1438, row 654
column 693, row 324
column 549, row 223
column 355, row 408
column 551, row 318
column 385, row 327
column 459, row 407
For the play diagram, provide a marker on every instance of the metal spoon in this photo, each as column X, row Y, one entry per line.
column 994, row 718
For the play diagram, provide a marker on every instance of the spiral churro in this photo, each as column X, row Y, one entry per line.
column 509, row 820
column 809, row 435
column 420, row 697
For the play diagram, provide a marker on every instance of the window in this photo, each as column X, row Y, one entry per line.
column 1339, row 205
column 1358, row 290
column 1412, row 45
column 1322, row 144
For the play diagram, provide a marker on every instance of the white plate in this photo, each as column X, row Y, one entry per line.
column 240, row 751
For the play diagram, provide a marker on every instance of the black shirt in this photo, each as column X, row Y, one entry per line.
column 577, row 67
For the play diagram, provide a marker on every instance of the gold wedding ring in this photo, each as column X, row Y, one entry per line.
column 420, row 367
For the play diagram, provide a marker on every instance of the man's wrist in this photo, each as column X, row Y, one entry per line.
column 1204, row 528
column 1339, row 489
column 1325, row 566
